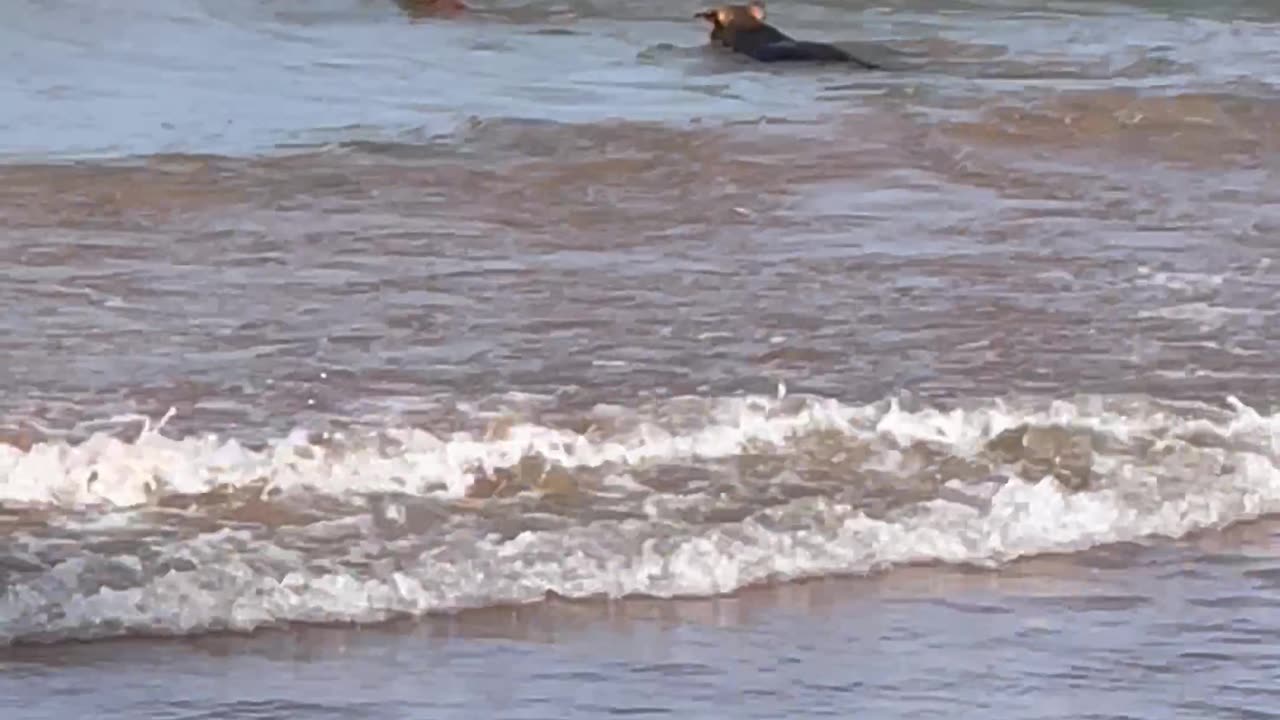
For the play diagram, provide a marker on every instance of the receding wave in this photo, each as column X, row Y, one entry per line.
column 1204, row 128
column 686, row 497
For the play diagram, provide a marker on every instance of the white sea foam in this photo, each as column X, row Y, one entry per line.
column 107, row 470
column 1166, row 472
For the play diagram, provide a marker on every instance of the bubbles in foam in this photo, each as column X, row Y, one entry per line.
column 107, row 470
column 1157, row 471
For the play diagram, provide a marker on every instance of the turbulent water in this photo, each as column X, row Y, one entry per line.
column 325, row 313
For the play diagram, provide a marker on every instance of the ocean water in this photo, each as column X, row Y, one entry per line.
column 542, row 361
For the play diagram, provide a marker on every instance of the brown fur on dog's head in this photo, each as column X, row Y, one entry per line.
column 420, row 9
column 741, row 17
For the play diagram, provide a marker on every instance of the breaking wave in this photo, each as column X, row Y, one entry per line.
column 689, row 497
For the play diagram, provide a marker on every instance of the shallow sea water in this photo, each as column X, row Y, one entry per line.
column 542, row 362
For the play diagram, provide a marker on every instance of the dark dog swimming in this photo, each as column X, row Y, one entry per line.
column 742, row 29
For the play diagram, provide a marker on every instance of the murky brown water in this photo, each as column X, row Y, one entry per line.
column 449, row 315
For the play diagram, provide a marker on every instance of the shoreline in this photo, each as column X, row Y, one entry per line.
column 1054, row 576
